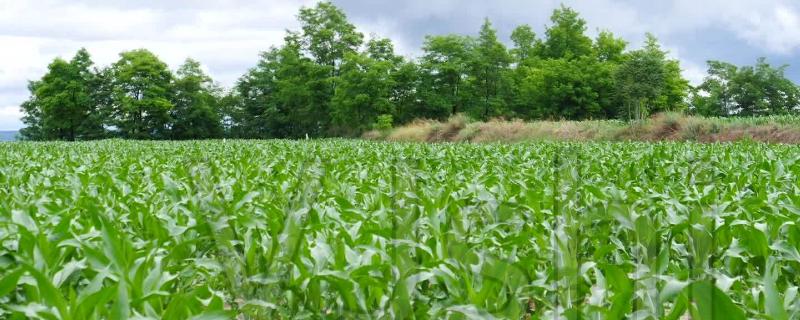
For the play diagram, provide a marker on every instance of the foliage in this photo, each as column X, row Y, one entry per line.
column 354, row 229
column 443, row 69
column 568, row 89
column 325, row 80
column 746, row 91
column 195, row 114
column 526, row 45
column 607, row 47
column 488, row 74
column 566, row 36
column 649, row 82
column 62, row 105
column 383, row 122
column 365, row 88
column 141, row 95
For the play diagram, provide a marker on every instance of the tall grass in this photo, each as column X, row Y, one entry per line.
column 664, row 126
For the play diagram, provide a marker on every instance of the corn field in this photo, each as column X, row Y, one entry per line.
column 339, row 229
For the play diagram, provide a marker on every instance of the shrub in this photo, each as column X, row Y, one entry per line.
column 383, row 122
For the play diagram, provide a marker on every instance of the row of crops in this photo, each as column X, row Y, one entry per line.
column 368, row 230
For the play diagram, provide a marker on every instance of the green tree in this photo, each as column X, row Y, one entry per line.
column 32, row 117
column 640, row 80
column 327, row 35
column 526, row 45
column 142, row 95
column 195, row 115
column 282, row 96
column 746, row 91
column 405, row 92
column 674, row 94
column 363, row 94
column 566, row 36
column 609, row 48
column 301, row 98
column 648, row 82
column 713, row 97
column 489, row 74
column 62, row 105
column 367, row 88
column 444, row 66
column 567, row 89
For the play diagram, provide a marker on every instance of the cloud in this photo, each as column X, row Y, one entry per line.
column 225, row 36
column 10, row 118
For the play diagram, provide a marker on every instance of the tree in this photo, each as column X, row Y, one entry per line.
column 142, row 95
column 676, row 88
column 327, row 35
column 640, row 80
column 648, row 82
column 367, row 89
column 251, row 100
column 404, row 92
column 567, row 89
column 444, row 70
column 746, row 91
column 489, row 74
column 32, row 117
column 566, row 36
column 526, row 45
column 195, row 115
column 62, row 105
column 284, row 96
column 363, row 94
column 609, row 48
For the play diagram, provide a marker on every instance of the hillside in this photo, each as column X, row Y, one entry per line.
column 8, row 135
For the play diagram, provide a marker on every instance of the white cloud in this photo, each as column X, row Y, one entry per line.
column 226, row 36
column 778, row 31
column 10, row 118
column 770, row 25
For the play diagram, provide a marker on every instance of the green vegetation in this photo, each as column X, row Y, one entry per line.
column 662, row 126
column 356, row 229
column 327, row 80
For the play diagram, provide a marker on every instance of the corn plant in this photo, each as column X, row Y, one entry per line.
column 340, row 229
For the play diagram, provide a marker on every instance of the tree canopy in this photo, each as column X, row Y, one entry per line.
column 326, row 80
column 746, row 91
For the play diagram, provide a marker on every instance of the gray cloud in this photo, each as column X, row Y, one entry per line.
column 226, row 36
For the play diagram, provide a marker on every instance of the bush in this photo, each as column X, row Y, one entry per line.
column 383, row 122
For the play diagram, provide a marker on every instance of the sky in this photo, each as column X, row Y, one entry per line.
column 226, row 36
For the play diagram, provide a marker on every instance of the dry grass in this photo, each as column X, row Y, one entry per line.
column 419, row 130
column 447, row 131
column 664, row 126
column 374, row 135
column 506, row 131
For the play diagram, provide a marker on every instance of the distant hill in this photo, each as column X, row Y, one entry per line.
column 8, row 135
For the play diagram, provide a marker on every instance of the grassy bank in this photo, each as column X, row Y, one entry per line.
column 665, row 126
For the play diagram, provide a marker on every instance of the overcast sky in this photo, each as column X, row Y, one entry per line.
column 227, row 35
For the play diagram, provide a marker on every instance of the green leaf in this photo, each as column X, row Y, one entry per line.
column 712, row 303
column 9, row 281
column 48, row 293
column 773, row 301
column 622, row 287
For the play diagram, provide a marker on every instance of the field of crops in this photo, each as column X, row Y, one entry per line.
column 369, row 230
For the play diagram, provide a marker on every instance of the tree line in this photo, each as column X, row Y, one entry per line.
column 326, row 79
